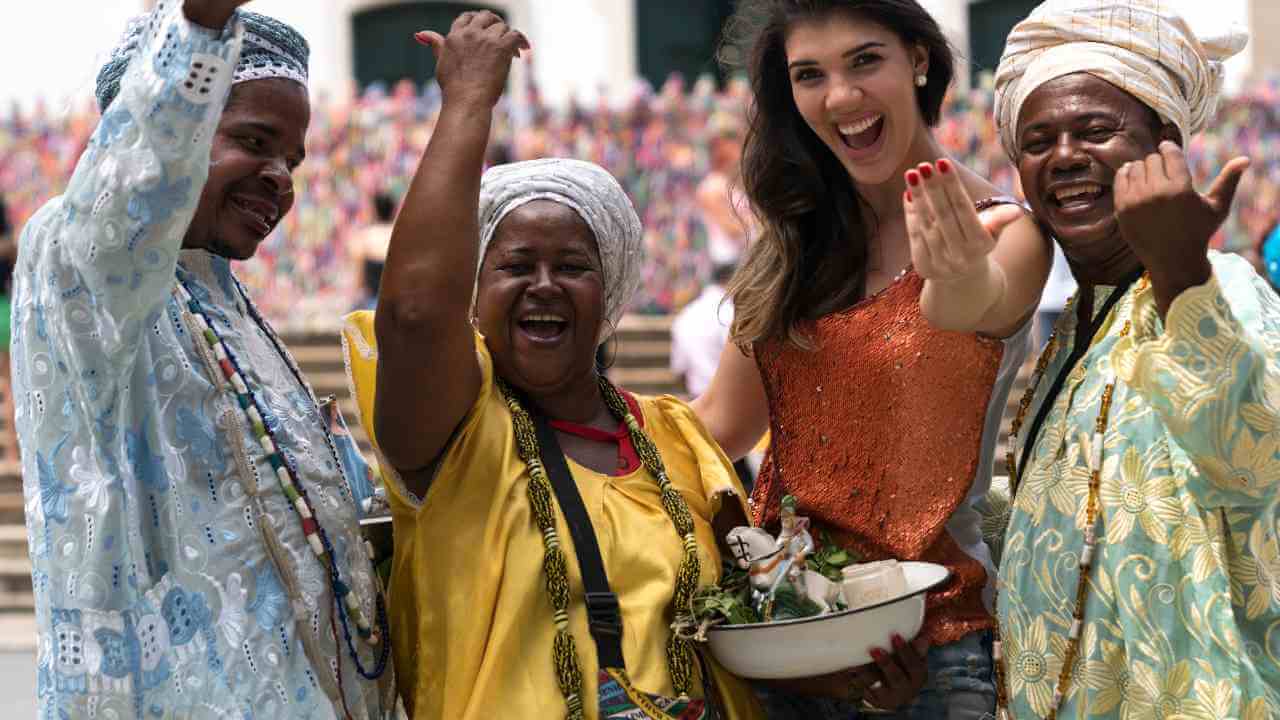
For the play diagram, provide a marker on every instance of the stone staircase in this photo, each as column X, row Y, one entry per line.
column 641, row 365
column 15, row 565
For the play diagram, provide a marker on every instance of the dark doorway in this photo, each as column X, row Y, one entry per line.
column 384, row 49
column 989, row 24
column 679, row 36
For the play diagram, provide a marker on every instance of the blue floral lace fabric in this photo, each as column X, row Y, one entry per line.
column 171, row 574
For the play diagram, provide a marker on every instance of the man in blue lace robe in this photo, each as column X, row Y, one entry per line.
column 193, row 522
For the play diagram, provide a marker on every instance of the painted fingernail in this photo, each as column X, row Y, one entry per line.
column 898, row 642
column 944, row 166
column 913, row 178
column 908, row 196
column 878, row 655
column 926, row 170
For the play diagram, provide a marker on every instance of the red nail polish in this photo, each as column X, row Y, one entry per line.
column 898, row 642
column 944, row 166
column 878, row 655
column 926, row 170
column 913, row 178
column 909, row 196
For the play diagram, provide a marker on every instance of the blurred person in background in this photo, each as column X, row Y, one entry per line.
column 699, row 333
column 1268, row 253
column 1057, row 291
column 369, row 250
column 883, row 426
column 724, row 209
column 194, row 525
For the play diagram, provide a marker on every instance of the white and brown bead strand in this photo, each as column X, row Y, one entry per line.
column 317, row 538
column 1011, row 462
column 1087, row 553
column 1010, row 458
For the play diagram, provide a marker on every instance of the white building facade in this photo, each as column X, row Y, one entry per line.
column 580, row 46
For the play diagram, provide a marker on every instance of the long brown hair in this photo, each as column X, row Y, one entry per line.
column 811, row 258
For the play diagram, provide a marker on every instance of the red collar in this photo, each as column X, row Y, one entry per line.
column 628, row 458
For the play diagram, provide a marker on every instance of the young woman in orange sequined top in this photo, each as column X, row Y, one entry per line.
column 883, row 426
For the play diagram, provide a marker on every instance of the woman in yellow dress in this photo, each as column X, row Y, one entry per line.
column 488, row 610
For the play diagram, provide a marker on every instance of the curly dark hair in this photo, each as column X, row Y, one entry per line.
column 811, row 258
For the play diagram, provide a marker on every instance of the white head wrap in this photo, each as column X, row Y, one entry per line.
column 591, row 192
column 1144, row 47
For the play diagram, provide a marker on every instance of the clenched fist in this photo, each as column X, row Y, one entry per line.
column 473, row 61
column 212, row 14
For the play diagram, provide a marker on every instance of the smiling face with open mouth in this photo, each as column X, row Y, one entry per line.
column 258, row 144
column 1074, row 134
column 852, row 81
column 540, row 300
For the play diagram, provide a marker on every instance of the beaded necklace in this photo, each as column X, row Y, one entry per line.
column 1091, row 521
column 295, row 491
column 680, row 657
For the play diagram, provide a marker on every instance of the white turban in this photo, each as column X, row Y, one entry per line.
column 1144, row 47
column 591, row 192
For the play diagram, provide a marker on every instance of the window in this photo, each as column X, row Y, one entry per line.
column 679, row 36
column 989, row 24
column 383, row 40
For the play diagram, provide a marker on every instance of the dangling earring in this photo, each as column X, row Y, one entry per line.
column 601, row 365
column 922, row 80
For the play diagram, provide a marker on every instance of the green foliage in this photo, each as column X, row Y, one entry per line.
column 730, row 602
column 726, row 603
column 829, row 559
column 787, row 604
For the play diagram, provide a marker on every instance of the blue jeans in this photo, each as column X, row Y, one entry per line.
column 961, row 686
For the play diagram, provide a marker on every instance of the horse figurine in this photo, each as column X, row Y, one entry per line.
column 770, row 562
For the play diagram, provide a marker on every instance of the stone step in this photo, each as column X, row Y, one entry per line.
column 17, row 600
column 15, row 575
column 647, row 380
column 644, row 327
column 328, row 382
column 642, row 353
column 13, row 540
column 11, row 508
column 298, row 340
column 18, row 631
column 318, row 358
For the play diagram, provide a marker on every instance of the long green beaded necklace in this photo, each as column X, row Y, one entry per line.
column 680, row 652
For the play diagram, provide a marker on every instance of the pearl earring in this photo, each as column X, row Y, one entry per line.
column 922, row 80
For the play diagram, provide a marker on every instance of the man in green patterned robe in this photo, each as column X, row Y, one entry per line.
column 1155, row 424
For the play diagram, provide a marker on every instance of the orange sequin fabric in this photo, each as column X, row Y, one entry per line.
column 877, row 433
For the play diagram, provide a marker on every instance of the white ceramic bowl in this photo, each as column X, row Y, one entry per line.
column 825, row 643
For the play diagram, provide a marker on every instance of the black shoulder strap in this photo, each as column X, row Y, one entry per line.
column 1081, row 348
column 603, row 615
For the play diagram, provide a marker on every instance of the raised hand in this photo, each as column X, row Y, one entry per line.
column 212, row 14
column 949, row 241
column 1166, row 223
column 472, row 63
